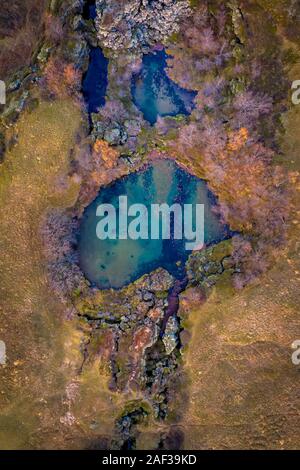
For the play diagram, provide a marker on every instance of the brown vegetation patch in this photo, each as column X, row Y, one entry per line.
column 21, row 27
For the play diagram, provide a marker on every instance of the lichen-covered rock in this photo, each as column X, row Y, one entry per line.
column 204, row 267
column 156, row 314
column 159, row 368
column 170, row 338
column 133, row 127
column 98, row 126
column 14, row 85
column 237, row 21
column 115, row 134
column 87, row 28
column 131, row 318
column 136, row 24
column 159, row 281
column 126, row 425
column 15, row 107
column 144, row 337
column 44, row 54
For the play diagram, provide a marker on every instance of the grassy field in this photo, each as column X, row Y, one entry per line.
column 43, row 349
column 244, row 389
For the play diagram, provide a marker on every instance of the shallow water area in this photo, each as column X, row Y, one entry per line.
column 155, row 94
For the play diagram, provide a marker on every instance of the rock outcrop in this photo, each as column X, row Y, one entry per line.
column 137, row 24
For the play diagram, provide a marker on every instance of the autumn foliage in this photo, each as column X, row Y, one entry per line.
column 107, row 154
column 61, row 79
column 96, row 164
column 230, row 138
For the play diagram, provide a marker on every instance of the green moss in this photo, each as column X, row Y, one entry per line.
column 136, row 405
column 221, row 250
column 194, row 3
column 54, row 6
column 161, row 295
column 173, row 38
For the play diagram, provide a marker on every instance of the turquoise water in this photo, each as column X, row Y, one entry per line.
column 155, row 94
column 115, row 263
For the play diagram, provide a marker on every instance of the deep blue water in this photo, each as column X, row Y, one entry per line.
column 95, row 81
column 155, row 94
column 115, row 263
column 89, row 10
column 92, row 12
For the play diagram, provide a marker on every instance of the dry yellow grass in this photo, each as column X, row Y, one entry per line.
column 244, row 389
column 43, row 349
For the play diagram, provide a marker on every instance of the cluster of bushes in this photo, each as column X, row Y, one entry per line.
column 61, row 79
column 59, row 232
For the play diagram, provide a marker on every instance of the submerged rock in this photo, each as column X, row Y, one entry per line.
column 138, row 24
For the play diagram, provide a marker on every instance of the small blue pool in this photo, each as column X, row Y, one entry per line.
column 117, row 262
column 155, row 94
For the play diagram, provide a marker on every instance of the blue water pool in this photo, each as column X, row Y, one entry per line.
column 95, row 81
column 89, row 10
column 115, row 262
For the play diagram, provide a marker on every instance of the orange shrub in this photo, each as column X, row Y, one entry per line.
column 61, row 79
column 108, row 154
